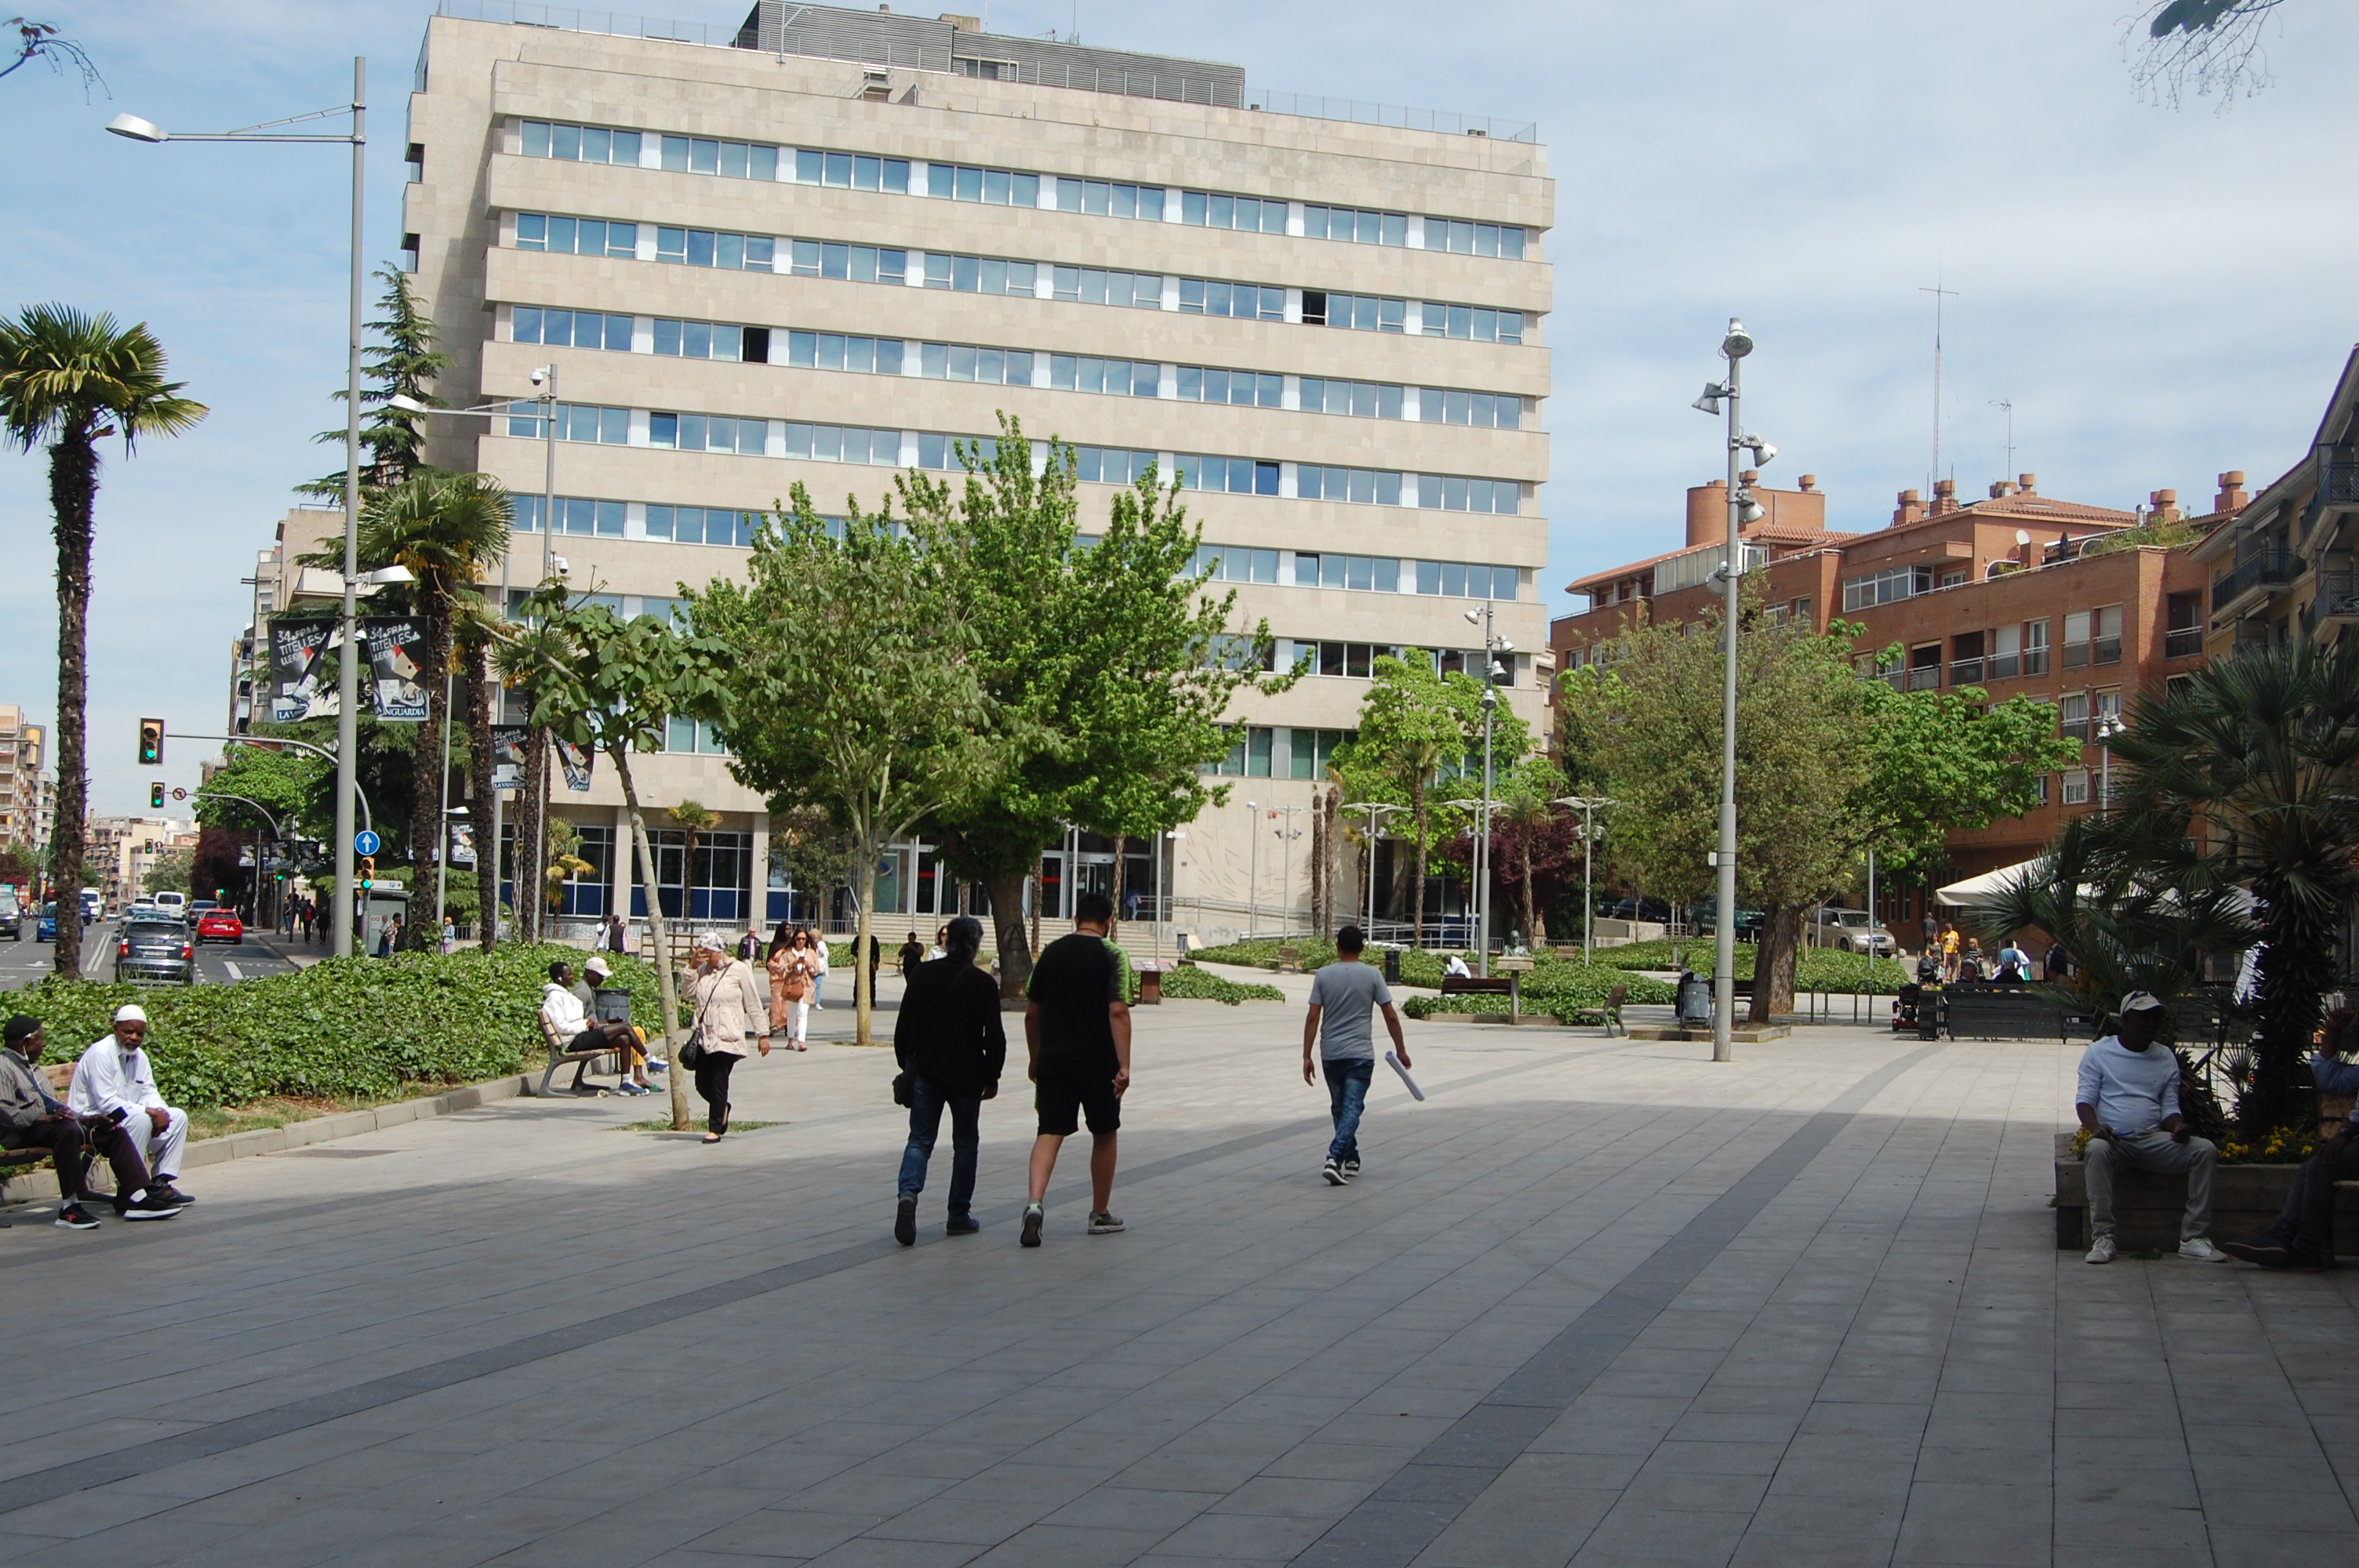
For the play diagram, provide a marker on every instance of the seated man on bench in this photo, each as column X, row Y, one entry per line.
column 2303, row 1236
column 565, row 1020
column 33, row 1118
column 113, row 1083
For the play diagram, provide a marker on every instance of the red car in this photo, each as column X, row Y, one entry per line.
column 220, row 926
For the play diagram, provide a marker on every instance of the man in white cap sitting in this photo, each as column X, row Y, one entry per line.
column 113, row 1082
column 2128, row 1100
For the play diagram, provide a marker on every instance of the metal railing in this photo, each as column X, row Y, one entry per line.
column 1361, row 111
column 1966, row 671
column 2108, row 650
column 2255, row 569
column 2182, row 642
column 2338, row 476
column 2002, row 666
column 573, row 19
column 1925, row 678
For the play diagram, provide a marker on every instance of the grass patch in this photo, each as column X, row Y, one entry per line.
column 1190, row 983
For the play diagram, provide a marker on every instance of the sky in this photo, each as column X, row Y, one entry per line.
column 2161, row 294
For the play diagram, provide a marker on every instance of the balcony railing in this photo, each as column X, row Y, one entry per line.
column 2035, row 661
column 2076, row 656
column 1925, row 678
column 2109, row 651
column 2338, row 476
column 1965, row 672
column 2257, row 568
column 2182, row 642
column 2002, row 666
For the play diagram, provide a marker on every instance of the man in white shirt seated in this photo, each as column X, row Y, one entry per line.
column 2128, row 1100
column 113, row 1081
column 565, row 1020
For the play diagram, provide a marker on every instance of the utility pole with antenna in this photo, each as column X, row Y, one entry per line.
column 2008, row 404
column 1939, row 294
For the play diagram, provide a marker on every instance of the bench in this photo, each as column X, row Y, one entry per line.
column 1474, row 985
column 1609, row 1015
column 1982, row 1012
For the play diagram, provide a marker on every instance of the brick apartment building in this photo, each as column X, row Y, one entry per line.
column 2018, row 594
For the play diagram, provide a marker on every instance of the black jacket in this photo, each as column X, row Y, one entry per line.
column 949, row 1029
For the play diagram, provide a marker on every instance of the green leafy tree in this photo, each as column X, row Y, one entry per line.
column 402, row 362
column 169, row 872
column 2245, row 781
column 1418, row 744
column 67, row 382
column 1650, row 717
column 856, row 689
column 815, row 855
column 1106, row 663
column 611, row 686
column 448, row 529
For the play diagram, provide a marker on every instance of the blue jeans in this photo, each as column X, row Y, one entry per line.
column 1347, row 1093
column 926, row 1102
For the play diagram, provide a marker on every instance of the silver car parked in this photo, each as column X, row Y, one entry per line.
column 155, row 949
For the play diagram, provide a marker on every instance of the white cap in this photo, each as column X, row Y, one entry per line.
column 595, row 967
column 2141, row 1002
column 708, row 943
column 131, row 1012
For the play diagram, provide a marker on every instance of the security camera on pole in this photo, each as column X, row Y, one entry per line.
column 1742, row 509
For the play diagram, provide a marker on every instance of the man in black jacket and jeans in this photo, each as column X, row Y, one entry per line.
column 948, row 1039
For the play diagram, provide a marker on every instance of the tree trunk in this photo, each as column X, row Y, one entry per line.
column 1773, row 961
column 1007, row 891
column 863, row 980
column 1531, row 909
column 1318, row 869
column 1416, row 872
column 481, row 807
column 531, row 857
column 430, row 765
column 2296, row 968
column 1121, row 864
column 73, row 491
column 667, row 987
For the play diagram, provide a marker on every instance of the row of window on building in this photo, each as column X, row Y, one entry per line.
column 1015, row 187
column 899, row 269
column 745, row 436
column 1368, row 574
column 2090, row 638
column 1012, row 367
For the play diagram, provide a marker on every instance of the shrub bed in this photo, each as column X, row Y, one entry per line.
column 1192, row 983
column 357, row 1029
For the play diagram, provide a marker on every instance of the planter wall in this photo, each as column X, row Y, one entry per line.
column 2147, row 1207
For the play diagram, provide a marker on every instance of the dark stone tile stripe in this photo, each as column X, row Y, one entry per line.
column 1404, row 1515
column 260, row 1426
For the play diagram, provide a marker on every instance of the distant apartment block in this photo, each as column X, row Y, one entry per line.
column 23, row 793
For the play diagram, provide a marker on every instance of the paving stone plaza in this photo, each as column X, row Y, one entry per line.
column 1595, row 1302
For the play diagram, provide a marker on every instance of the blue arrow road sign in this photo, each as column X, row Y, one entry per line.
column 366, row 843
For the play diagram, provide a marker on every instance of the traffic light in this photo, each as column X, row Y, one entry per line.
column 152, row 745
column 156, row 797
column 367, row 871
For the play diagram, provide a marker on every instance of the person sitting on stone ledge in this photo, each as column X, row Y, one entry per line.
column 2128, row 1100
column 2303, row 1236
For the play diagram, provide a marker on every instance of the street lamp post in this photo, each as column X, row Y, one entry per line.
column 1589, row 805
column 2108, row 727
column 1286, row 837
column 1493, row 645
column 348, row 673
column 1742, row 509
column 1375, row 813
column 1253, row 868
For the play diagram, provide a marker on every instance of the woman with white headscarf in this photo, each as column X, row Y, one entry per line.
column 725, row 1005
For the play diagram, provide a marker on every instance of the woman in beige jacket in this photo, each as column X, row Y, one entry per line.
column 724, row 1004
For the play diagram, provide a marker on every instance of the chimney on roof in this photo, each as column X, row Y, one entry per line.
column 2027, row 482
column 1809, row 482
column 1945, row 498
column 2165, row 503
column 1999, row 488
column 2231, row 496
column 1911, row 508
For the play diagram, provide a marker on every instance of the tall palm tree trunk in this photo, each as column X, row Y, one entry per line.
column 430, row 766
column 530, row 857
column 74, row 484
column 482, row 807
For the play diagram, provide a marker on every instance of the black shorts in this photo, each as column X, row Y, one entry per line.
column 1063, row 1099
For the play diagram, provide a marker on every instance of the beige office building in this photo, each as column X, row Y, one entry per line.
column 851, row 237
column 22, row 788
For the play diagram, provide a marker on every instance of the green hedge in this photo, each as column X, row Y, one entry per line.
column 343, row 1028
column 1190, row 982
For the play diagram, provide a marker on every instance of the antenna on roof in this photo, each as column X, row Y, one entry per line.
column 2008, row 404
column 1938, row 292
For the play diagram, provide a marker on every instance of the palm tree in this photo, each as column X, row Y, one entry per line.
column 69, row 380
column 447, row 529
column 2241, row 787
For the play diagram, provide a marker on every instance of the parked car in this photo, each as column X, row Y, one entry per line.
column 173, row 903
column 46, row 928
column 155, row 949
column 1851, row 930
column 12, row 913
column 91, row 903
column 1643, row 909
column 219, row 925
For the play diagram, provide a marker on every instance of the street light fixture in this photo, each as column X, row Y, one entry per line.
column 1493, row 645
column 1742, row 509
column 348, row 674
column 1589, row 805
column 2111, row 725
column 1376, row 813
column 1252, row 868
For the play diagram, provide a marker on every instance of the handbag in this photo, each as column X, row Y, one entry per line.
column 904, row 1094
column 692, row 1050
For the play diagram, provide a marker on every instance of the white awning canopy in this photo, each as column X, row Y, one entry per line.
column 1977, row 892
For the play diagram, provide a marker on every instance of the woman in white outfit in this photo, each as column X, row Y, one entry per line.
column 819, row 971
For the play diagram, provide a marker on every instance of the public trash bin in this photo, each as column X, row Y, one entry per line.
column 1392, row 966
column 1694, row 999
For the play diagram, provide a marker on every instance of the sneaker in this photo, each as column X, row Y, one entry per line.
column 1334, row 1174
column 2267, row 1254
column 2199, row 1250
column 73, row 1216
column 631, row 1088
column 1104, row 1225
column 171, row 1194
column 151, row 1204
column 1032, row 1217
column 963, row 1225
column 905, row 1222
column 2102, row 1253
column 1352, row 1169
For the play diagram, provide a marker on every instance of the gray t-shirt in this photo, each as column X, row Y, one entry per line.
column 1348, row 995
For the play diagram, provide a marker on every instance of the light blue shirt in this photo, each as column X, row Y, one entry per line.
column 2132, row 1090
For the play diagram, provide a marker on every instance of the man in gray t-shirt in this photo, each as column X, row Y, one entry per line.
column 1343, row 996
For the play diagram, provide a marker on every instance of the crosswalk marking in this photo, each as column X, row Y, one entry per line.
column 235, row 972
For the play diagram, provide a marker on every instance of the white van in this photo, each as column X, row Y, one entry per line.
column 173, row 903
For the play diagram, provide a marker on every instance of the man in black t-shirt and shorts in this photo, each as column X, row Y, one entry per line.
column 1077, row 1030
